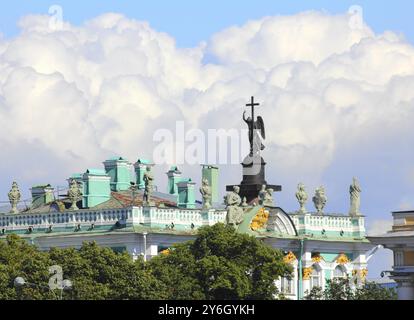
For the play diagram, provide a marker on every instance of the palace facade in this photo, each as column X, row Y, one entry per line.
column 107, row 205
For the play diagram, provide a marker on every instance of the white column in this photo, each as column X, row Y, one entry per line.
column 306, row 263
column 153, row 251
column 295, row 280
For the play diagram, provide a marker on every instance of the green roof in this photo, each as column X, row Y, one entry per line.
column 96, row 172
column 117, row 158
column 42, row 186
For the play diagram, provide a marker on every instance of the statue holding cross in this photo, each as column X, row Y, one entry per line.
column 255, row 138
column 254, row 176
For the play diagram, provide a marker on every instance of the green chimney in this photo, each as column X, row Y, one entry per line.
column 41, row 195
column 174, row 177
column 140, row 168
column 211, row 173
column 96, row 187
column 186, row 194
column 118, row 169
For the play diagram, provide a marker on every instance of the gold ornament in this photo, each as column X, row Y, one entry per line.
column 364, row 274
column 342, row 259
column 260, row 220
column 307, row 273
column 165, row 252
column 317, row 258
column 289, row 258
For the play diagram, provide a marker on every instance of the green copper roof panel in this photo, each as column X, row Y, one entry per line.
column 96, row 172
column 117, row 158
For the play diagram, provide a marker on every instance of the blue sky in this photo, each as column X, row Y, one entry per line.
column 193, row 21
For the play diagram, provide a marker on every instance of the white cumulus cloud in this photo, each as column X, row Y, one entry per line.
column 328, row 92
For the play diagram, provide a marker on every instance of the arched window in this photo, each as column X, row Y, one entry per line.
column 316, row 277
column 287, row 286
column 339, row 272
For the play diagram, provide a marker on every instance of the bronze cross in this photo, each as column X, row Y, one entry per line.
column 252, row 105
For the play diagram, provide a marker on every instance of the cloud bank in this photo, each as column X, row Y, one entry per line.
column 337, row 100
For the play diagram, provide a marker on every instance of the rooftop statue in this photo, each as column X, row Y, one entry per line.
column 268, row 198
column 14, row 198
column 355, row 195
column 302, row 197
column 255, row 126
column 149, row 186
column 74, row 194
column 262, row 195
column 320, row 199
column 205, row 191
column 234, row 211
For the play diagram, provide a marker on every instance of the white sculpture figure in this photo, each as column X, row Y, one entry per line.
column 302, row 197
column 355, row 195
column 262, row 195
column 268, row 198
column 14, row 198
column 234, row 211
column 74, row 194
column 205, row 191
column 149, row 184
column 320, row 199
column 244, row 203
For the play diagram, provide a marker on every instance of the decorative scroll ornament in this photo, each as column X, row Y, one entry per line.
column 317, row 258
column 260, row 220
column 342, row 259
column 364, row 274
column 307, row 273
column 289, row 258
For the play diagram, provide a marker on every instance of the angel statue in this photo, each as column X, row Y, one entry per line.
column 256, row 130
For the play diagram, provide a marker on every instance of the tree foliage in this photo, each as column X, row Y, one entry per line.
column 219, row 264
column 341, row 289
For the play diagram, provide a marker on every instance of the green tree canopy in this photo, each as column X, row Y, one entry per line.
column 20, row 259
column 221, row 264
column 340, row 289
